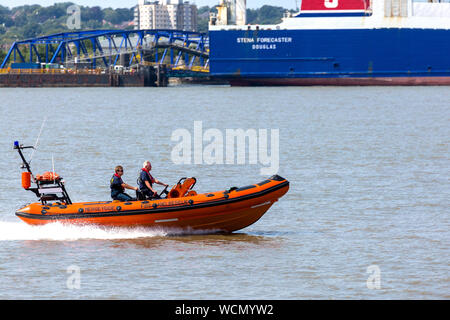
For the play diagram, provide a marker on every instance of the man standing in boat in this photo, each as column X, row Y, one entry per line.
column 118, row 186
column 146, row 181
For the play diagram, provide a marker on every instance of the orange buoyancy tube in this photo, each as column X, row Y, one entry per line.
column 26, row 180
column 48, row 176
column 181, row 189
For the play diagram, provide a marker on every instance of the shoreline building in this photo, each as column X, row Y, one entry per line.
column 165, row 14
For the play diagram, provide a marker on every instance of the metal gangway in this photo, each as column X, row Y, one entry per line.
column 110, row 48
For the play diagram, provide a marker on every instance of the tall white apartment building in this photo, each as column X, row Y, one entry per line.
column 165, row 14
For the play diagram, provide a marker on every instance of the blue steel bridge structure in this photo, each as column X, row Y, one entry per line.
column 182, row 50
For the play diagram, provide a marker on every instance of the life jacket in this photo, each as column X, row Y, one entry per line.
column 141, row 182
column 116, row 187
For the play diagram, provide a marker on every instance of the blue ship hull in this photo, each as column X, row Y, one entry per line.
column 386, row 56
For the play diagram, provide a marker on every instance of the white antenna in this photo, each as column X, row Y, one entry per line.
column 37, row 140
column 53, row 168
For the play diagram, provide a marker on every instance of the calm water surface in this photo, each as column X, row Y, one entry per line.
column 369, row 173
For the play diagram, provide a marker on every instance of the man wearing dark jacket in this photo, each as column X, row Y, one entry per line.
column 118, row 186
column 146, row 181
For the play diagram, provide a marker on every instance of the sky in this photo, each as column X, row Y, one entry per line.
column 288, row 4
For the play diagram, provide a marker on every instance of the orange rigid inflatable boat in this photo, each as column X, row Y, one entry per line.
column 182, row 208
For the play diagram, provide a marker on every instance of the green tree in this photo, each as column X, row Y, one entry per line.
column 203, row 18
column 204, row 9
column 2, row 55
column 20, row 18
column 118, row 16
column 53, row 12
column 91, row 13
column 265, row 15
column 4, row 10
column 270, row 14
column 124, row 15
column 32, row 30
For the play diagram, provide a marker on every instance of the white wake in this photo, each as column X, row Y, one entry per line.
column 11, row 231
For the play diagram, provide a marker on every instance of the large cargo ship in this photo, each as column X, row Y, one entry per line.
column 339, row 42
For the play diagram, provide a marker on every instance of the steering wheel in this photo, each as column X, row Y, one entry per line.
column 164, row 192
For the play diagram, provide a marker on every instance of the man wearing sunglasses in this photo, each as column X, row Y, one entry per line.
column 118, row 186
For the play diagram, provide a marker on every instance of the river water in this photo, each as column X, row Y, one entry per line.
column 366, row 216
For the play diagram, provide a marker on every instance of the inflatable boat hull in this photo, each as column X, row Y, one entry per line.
column 222, row 211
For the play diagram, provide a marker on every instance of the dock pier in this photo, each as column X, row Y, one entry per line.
column 146, row 77
column 106, row 58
